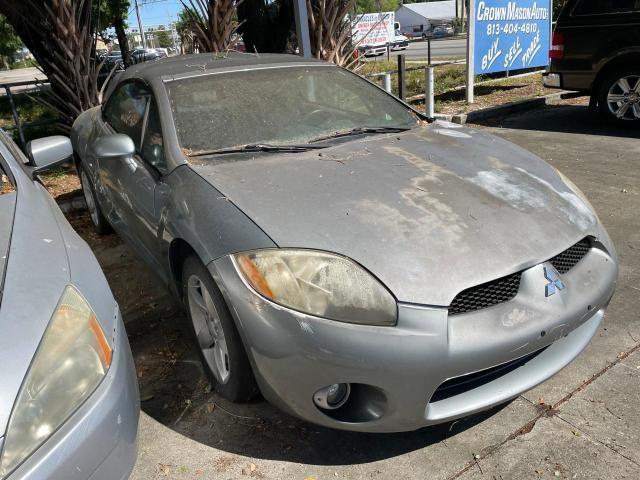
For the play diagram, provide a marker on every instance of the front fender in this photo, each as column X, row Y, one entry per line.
column 206, row 220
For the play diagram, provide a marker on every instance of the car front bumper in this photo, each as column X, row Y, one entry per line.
column 99, row 442
column 395, row 372
column 374, row 51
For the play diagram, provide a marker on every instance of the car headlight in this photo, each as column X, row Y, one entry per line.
column 71, row 361
column 318, row 283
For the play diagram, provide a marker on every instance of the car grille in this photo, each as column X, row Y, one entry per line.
column 458, row 385
column 505, row 288
column 486, row 295
column 568, row 259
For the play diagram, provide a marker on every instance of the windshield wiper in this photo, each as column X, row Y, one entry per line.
column 257, row 147
column 360, row 131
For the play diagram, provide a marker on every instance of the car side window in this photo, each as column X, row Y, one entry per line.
column 152, row 142
column 125, row 110
column 599, row 7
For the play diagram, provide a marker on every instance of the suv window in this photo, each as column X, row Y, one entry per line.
column 124, row 110
column 598, row 7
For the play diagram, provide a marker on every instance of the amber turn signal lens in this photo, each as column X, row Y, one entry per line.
column 103, row 344
column 254, row 276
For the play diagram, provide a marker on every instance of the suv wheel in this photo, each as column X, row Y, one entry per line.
column 619, row 96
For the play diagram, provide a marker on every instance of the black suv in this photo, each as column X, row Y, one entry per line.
column 596, row 50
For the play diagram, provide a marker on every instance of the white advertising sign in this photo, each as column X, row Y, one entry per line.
column 372, row 29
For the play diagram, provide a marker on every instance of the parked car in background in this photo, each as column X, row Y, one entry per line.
column 400, row 42
column 69, row 401
column 408, row 33
column 366, row 269
column 140, row 55
column 164, row 52
column 372, row 50
column 439, row 31
column 111, row 64
column 596, row 50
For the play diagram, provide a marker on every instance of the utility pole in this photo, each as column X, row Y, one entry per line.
column 140, row 26
column 302, row 27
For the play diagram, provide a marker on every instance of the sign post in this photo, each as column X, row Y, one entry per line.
column 471, row 46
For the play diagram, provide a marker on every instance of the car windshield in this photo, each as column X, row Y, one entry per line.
column 278, row 106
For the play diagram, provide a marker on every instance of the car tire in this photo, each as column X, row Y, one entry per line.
column 100, row 222
column 216, row 337
column 614, row 102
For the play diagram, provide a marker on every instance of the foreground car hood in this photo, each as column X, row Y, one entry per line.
column 429, row 212
column 7, row 207
column 37, row 271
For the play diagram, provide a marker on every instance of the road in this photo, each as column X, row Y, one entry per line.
column 441, row 48
column 582, row 423
column 20, row 75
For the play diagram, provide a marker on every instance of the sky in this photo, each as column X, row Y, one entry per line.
column 154, row 12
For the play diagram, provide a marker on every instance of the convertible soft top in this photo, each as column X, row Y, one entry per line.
column 182, row 65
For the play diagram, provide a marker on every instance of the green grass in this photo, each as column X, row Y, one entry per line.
column 28, row 111
column 446, row 76
column 24, row 64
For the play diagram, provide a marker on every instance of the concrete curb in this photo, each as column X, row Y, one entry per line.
column 508, row 108
column 75, row 203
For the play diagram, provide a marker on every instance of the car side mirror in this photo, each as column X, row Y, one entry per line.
column 48, row 152
column 117, row 145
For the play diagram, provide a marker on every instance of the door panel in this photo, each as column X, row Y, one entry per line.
column 129, row 185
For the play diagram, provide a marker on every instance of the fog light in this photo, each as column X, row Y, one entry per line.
column 333, row 396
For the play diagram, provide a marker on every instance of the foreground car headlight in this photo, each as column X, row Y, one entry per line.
column 71, row 361
column 318, row 283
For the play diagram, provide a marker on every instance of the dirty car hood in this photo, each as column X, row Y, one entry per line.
column 430, row 212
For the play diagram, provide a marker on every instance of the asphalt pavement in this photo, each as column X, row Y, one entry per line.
column 449, row 48
column 580, row 424
column 20, row 75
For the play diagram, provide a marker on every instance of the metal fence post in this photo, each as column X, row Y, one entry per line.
column 16, row 117
column 428, row 92
column 302, row 27
column 387, row 82
column 429, row 49
column 402, row 91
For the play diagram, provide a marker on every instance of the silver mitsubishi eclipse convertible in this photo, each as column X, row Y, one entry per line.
column 68, row 387
column 362, row 268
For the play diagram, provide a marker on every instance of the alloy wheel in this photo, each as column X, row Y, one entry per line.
column 208, row 328
column 623, row 98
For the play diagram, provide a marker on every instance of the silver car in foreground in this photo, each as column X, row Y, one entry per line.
column 68, row 390
column 366, row 269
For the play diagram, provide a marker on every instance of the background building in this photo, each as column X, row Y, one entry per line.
column 417, row 18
